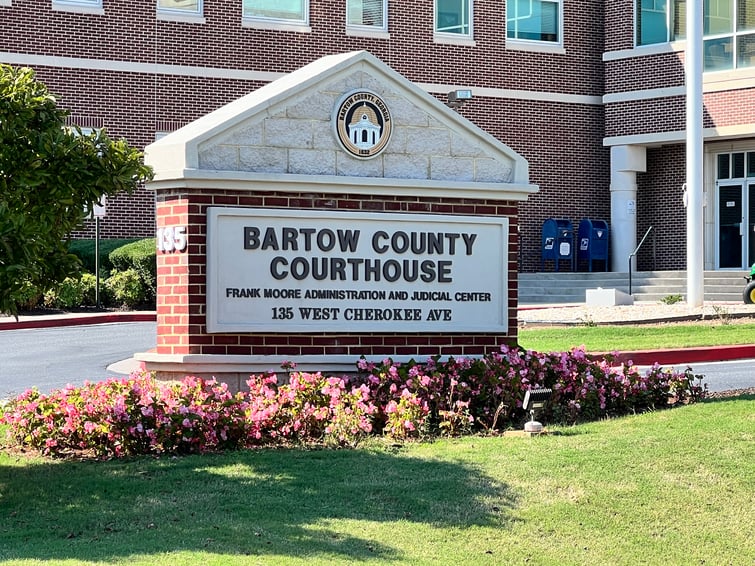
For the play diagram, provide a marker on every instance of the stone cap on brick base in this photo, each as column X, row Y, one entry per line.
column 284, row 137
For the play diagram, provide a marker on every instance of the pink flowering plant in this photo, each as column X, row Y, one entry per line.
column 350, row 413
column 139, row 415
column 313, row 407
column 486, row 394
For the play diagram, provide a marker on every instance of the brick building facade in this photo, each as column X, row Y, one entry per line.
column 590, row 93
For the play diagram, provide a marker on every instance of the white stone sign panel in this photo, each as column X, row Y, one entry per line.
column 271, row 270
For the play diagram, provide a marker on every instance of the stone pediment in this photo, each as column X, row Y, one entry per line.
column 284, row 136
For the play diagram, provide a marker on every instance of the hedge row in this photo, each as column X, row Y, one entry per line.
column 128, row 277
column 138, row 415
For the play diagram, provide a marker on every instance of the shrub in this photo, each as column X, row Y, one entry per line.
column 72, row 293
column 88, row 284
column 672, row 299
column 29, row 297
column 84, row 250
column 310, row 407
column 126, row 289
column 141, row 256
column 138, row 415
column 486, row 394
column 135, row 415
column 68, row 294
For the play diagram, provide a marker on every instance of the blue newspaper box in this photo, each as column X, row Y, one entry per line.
column 557, row 243
column 592, row 243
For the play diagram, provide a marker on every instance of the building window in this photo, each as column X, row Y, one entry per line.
column 453, row 17
column 287, row 11
column 659, row 21
column 94, row 6
column 87, row 3
column 728, row 34
column 534, row 20
column 187, row 7
column 367, row 13
column 728, row 29
column 737, row 165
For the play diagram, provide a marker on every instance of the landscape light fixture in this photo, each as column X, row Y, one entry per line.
column 458, row 97
column 535, row 399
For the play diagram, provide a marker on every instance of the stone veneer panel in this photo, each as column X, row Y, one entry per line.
column 452, row 168
column 305, row 126
column 407, row 166
column 264, row 159
column 311, row 162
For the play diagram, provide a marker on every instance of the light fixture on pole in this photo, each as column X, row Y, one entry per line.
column 535, row 399
column 458, row 97
column 99, row 210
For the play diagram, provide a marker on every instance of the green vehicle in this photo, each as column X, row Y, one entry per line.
column 749, row 292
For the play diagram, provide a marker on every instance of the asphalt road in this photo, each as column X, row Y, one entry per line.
column 722, row 376
column 50, row 358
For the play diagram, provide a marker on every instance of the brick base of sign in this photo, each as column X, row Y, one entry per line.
column 184, row 345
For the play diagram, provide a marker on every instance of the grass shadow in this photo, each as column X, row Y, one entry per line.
column 251, row 503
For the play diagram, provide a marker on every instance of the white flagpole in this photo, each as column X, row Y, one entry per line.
column 694, row 107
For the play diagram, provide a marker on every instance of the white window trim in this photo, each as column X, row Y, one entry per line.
column 516, row 44
column 78, row 7
column 643, row 50
column 164, row 16
column 449, row 39
column 261, row 22
column 454, row 38
column 178, row 15
column 535, row 46
column 280, row 25
column 354, row 31
column 369, row 31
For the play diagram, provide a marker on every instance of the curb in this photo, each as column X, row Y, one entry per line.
column 66, row 320
column 683, row 355
column 643, row 358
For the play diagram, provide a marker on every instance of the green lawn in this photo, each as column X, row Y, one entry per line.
column 673, row 487
column 630, row 338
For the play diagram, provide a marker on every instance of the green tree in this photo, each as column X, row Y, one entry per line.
column 50, row 177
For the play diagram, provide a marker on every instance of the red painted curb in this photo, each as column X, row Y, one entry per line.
column 684, row 355
column 642, row 358
column 103, row 318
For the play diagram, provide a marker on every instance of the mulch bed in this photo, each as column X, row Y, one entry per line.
column 750, row 391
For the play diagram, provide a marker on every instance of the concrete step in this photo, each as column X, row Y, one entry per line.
column 653, row 286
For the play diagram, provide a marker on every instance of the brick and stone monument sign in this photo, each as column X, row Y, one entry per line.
column 339, row 211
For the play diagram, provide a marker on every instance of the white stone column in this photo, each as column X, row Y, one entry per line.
column 626, row 161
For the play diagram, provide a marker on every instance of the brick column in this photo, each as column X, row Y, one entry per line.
column 173, row 271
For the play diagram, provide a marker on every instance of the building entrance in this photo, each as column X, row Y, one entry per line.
column 735, row 224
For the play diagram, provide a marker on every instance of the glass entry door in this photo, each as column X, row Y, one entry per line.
column 750, row 225
column 736, row 225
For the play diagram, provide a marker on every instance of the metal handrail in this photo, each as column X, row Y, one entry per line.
column 634, row 253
